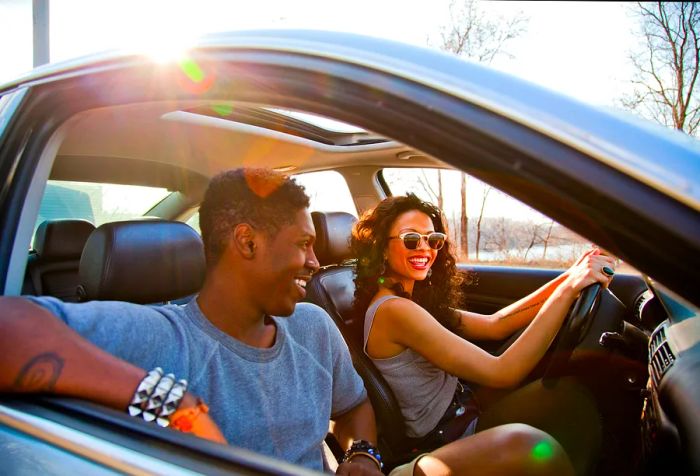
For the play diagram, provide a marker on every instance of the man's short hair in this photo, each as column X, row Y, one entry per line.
column 260, row 197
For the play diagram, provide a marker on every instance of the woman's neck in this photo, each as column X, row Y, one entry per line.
column 396, row 287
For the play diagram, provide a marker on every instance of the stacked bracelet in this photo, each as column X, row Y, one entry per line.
column 157, row 397
column 364, row 448
column 143, row 391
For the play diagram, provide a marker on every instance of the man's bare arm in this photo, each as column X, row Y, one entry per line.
column 41, row 354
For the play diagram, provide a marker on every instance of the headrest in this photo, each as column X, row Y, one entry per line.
column 333, row 231
column 142, row 261
column 62, row 239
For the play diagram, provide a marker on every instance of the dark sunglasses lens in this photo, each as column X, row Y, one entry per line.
column 411, row 240
column 436, row 241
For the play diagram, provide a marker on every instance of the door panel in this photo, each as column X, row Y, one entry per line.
column 489, row 288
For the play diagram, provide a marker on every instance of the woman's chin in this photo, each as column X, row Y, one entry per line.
column 420, row 276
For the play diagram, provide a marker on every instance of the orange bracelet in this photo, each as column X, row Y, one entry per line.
column 183, row 419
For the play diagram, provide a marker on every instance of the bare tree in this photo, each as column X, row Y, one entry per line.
column 427, row 184
column 545, row 240
column 454, row 234
column 499, row 238
column 472, row 34
column 666, row 72
column 534, row 232
column 478, row 222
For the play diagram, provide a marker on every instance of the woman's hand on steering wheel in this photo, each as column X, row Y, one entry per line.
column 592, row 267
column 585, row 279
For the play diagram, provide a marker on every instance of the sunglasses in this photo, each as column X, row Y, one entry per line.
column 411, row 239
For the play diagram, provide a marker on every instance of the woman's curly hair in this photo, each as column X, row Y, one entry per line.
column 369, row 241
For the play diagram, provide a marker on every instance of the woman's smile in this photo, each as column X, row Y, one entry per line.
column 420, row 262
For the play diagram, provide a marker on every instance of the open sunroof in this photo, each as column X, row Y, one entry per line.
column 307, row 126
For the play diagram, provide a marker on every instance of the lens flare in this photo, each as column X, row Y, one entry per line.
column 196, row 78
column 542, row 451
column 222, row 109
column 192, row 70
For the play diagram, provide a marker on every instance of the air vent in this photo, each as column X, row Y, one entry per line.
column 657, row 338
column 661, row 357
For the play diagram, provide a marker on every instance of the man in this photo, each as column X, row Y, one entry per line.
column 271, row 383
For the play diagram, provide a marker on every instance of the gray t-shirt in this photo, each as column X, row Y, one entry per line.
column 274, row 401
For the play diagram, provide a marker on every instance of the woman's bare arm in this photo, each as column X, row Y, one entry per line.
column 401, row 323
column 505, row 322
column 516, row 316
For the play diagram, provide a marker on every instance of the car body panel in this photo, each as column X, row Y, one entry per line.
column 606, row 136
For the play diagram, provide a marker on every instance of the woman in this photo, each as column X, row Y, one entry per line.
column 409, row 287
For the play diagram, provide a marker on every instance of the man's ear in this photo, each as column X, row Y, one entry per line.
column 244, row 240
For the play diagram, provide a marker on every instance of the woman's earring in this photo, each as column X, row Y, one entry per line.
column 382, row 270
column 430, row 273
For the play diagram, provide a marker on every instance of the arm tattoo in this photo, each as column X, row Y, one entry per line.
column 523, row 309
column 40, row 373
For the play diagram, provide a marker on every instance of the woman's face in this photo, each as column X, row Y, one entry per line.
column 404, row 265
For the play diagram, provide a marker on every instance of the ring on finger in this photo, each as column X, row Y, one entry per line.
column 608, row 271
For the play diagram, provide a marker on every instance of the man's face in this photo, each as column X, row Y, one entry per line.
column 285, row 262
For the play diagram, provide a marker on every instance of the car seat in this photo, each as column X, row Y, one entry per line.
column 142, row 261
column 52, row 269
column 333, row 288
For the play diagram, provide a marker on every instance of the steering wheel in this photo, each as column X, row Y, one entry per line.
column 573, row 330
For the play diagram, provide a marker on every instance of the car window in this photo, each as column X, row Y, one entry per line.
column 328, row 191
column 501, row 229
column 96, row 202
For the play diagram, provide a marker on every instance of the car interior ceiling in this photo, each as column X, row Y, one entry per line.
column 167, row 134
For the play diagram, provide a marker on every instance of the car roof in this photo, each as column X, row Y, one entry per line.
column 664, row 159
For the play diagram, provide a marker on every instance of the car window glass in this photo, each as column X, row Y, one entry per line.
column 328, row 191
column 193, row 221
column 8, row 104
column 501, row 229
column 97, row 203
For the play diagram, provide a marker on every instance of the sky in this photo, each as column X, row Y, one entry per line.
column 580, row 49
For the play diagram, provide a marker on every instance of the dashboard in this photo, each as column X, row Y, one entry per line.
column 671, row 408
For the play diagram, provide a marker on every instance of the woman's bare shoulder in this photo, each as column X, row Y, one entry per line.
column 400, row 309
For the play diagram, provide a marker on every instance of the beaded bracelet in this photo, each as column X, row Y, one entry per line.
column 364, row 448
column 183, row 420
